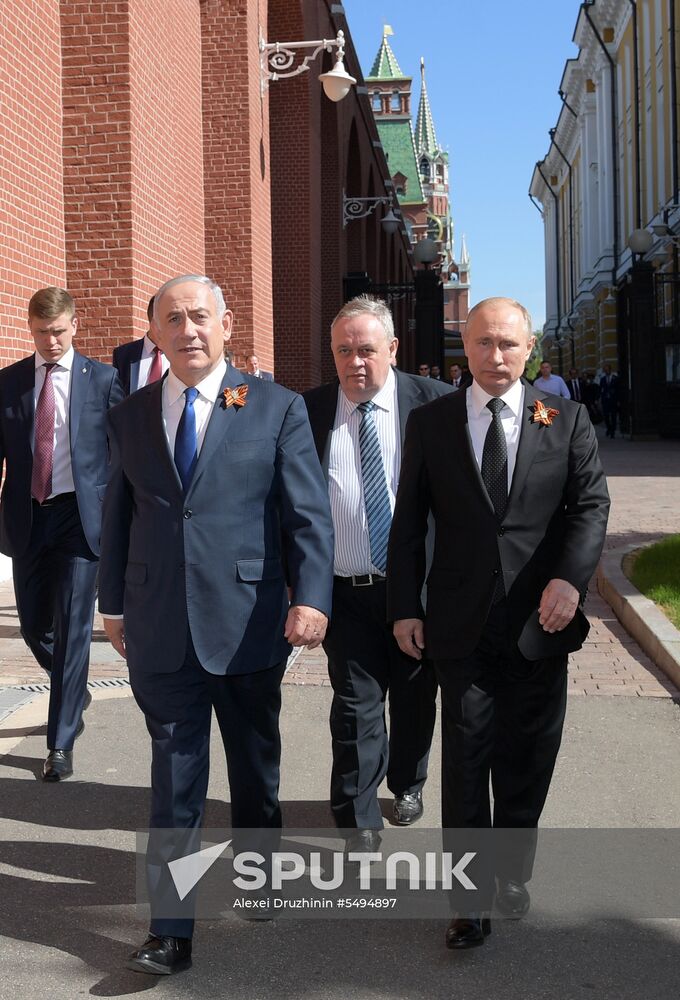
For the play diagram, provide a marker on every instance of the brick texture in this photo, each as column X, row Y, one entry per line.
column 237, row 172
column 132, row 158
column 32, row 251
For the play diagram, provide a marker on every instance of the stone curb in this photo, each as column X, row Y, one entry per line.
column 640, row 617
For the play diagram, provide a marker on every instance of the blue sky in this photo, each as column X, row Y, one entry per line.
column 492, row 70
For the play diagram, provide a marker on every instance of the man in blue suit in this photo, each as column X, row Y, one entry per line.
column 53, row 408
column 253, row 368
column 217, row 556
column 140, row 362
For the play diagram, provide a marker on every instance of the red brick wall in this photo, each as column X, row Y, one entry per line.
column 132, row 163
column 97, row 175
column 166, row 146
column 296, row 206
column 31, row 180
column 237, row 171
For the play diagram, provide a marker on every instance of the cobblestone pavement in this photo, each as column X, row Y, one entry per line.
column 643, row 481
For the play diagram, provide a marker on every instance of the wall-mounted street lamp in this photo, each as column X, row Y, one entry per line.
column 359, row 208
column 426, row 252
column 277, row 58
column 641, row 241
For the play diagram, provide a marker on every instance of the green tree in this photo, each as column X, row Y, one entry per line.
column 535, row 358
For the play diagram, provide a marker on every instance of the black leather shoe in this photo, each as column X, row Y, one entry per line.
column 86, row 705
column 58, row 766
column 161, row 956
column 467, row 932
column 408, row 808
column 512, row 899
column 363, row 841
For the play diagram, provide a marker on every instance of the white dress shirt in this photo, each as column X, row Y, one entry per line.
column 345, row 484
column 146, row 360
column 172, row 407
column 554, row 384
column 174, row 399
column 62, row 474
column 479, row 420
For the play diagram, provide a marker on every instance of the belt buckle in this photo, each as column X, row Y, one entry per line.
column 365, row 578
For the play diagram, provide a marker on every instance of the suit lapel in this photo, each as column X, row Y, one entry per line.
column 80, row 381
column 26, row 394
column 221, row 419
column 153, row 401
column 322, row 423
column 529, row 440
column 407, row 400
column 135, row 363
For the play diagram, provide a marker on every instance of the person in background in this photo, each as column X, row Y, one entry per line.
column 609, row 399
column 576, row 386
column 358, row 422
column 140, row 362
column 53, row 407
column 554, row 384
column 253, row 368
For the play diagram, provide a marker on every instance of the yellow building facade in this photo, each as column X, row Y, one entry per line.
column 609, row 192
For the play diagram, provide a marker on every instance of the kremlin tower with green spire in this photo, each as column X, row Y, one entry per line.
column 419, row 168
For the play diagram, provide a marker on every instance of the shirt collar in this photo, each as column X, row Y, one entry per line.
column 65, row 361
column 209, row 388
column 149, row 346
column 512, row 398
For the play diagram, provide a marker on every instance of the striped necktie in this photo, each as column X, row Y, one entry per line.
column 376, row 497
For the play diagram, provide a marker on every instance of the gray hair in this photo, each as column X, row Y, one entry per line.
column 200, row 279
column 368, row 305
column 513, row 303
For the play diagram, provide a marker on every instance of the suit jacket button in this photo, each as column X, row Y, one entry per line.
column 501, row 531
column 495, row 572
column 188, row 514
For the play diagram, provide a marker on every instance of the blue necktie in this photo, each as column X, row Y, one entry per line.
column 186, row 450
column 376, row 497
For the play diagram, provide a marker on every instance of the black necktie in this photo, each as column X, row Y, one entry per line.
column 495, row 460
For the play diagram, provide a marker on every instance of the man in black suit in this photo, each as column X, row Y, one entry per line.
column 576, row 386
column 253, row 368
column 456, row 376
column 53, row 408
column 140, row 362
column 520, row 523
column 213, row 517
column 364, row 661
column 609, row 399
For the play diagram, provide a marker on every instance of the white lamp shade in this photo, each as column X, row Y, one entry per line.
column 390, row 222
column 640, row 241
column 337, row 82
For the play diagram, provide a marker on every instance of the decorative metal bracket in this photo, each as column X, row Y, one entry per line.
column 359, row 208
column 277, row 58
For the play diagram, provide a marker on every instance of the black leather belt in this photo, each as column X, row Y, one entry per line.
column 367, row 580
column 53, row 501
